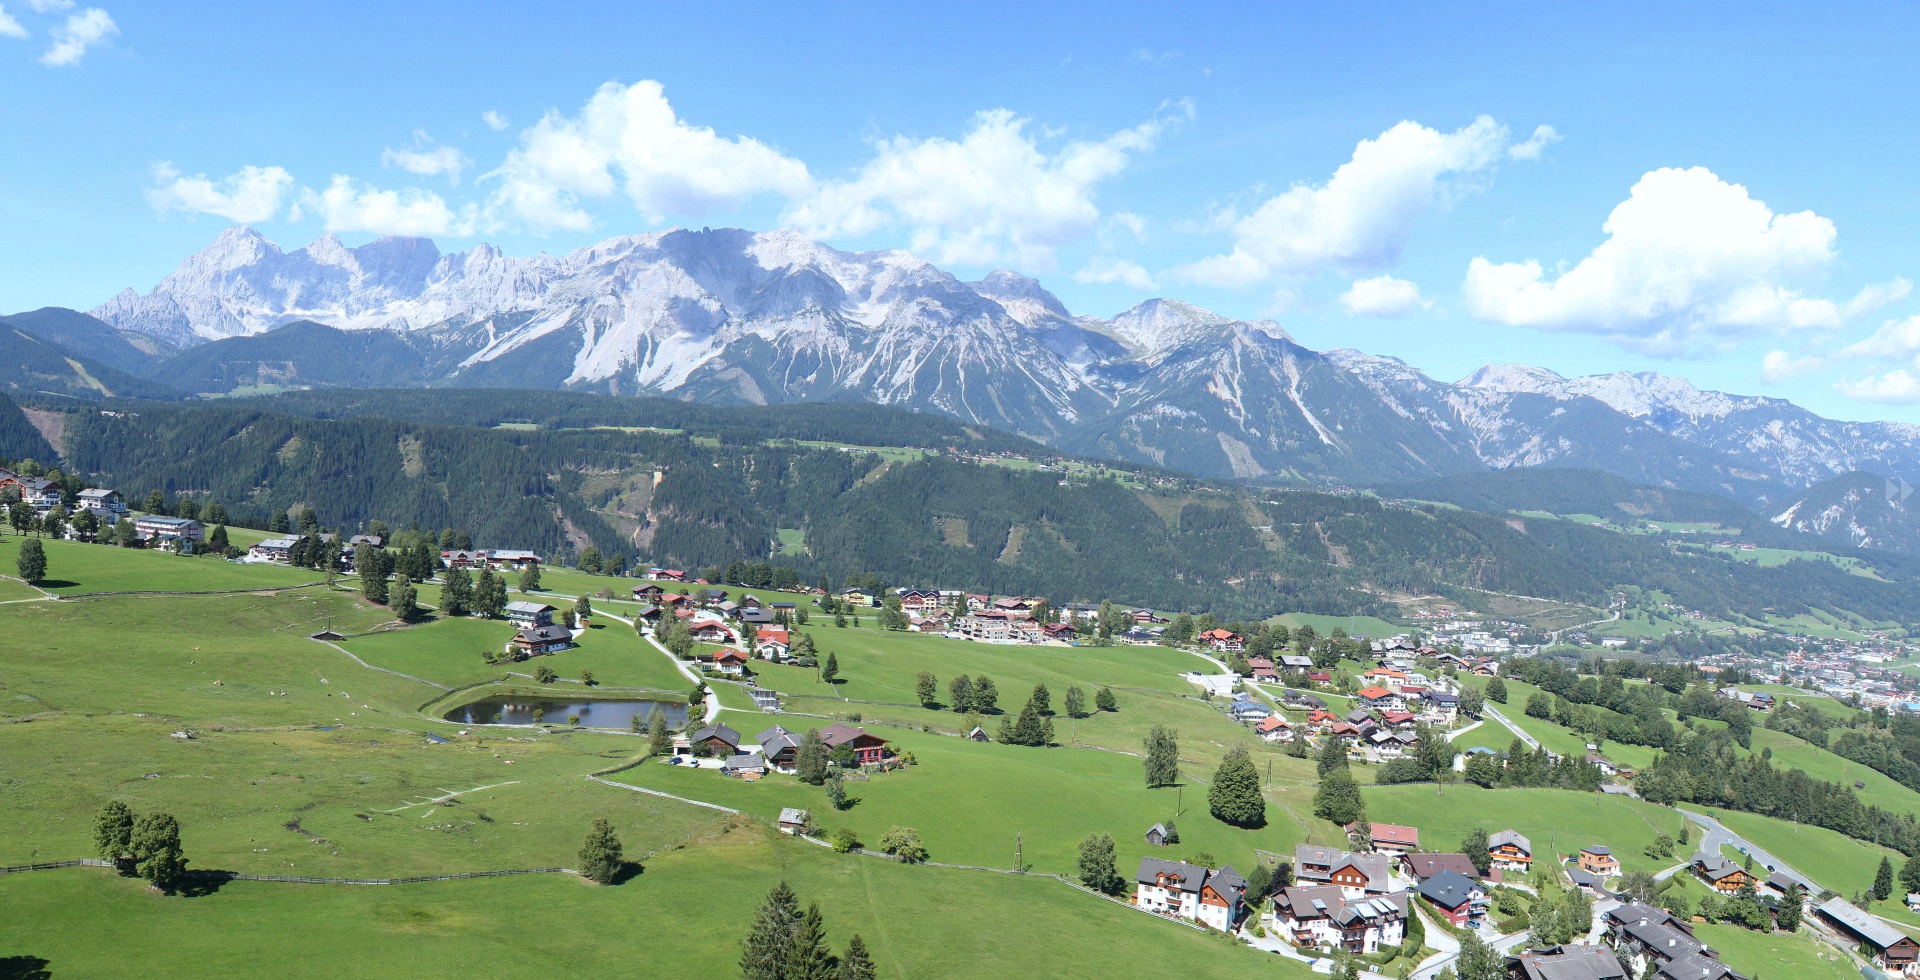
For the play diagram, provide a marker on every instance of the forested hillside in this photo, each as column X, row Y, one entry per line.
column 699, row 486
column 18, row 438
column 1569, row 490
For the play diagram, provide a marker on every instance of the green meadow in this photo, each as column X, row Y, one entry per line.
column 1775, row 954
column 74, row 568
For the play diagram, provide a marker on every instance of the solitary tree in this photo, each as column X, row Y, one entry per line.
column 904, row 843
column 583, row 607
column 1235, row 796
column 1882, row 881
column 32, row 561
column 113, row 833
column 830, row 668
column 530, row 578
column 1104, row 700
column 764, row 951
column 1076, row 702
column 601, row 856
column 1338, row 799
column 836, row 791
column 157, row 855
column 927, row 688
column 1497, row 690
column 1163, row 756
column 1098, row 869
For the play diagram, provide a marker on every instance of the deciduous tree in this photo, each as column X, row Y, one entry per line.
column 1163, row 756
column 156, row 850
column 927, row 688
column 113, row 832
column 1076, row 702
column 1098, row 869
column 1235, row 797
column 32, row 560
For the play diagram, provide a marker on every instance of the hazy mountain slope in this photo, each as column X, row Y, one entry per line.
column 1563, row 490
column 1857, row 510
column 93, row 338
column 31, row 365
column 19, row 439
column 299, row 355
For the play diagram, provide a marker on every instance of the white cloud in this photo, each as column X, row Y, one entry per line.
column 1778, row 365
column 628, row 137
column 1383, row 296
column 411, row 211
column 81, row 31
column 991, row 196
column 427, row 158
column 1899, row 387
column 1689, row 259
column 1877, row 295
column 250, row 195
column 1361, row 218
column 1535, row 144
column 1895, row 340
column 49, row 6
column 1102, row 268
column 494, row 121
column 9, row 25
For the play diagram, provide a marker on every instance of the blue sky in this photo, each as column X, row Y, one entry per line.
column 1368, row 175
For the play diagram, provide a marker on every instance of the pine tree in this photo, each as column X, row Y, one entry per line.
column 1910, row 875
column 1474, row 846
column 1163, row 756
column 830, row 668
column 456, row 595
column 1235, row 797
column 530, row 578
column 1333, row 756
column 1042, row 699
column 927, row 688
column 601, row 856
column 373, row 574
column 1098, row 869
column 113, row 832
column 1029, row 730
column 765, row 950
column 1259, row 883
column 1792, row 909
column 1105, row 701
column 809, row 957
column 155, row 846
column 1076, row 702
column 403, row 599
column 857, row 964
column 810, row 759
column 1882, row 881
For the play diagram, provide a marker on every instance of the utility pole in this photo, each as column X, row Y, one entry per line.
column 1179, row 794
column 1019, row 855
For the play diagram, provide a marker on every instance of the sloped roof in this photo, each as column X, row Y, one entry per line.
column 1189, row 877
column 1448, row 889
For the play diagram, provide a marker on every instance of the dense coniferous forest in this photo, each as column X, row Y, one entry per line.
column 699, row 487
column 18, row 438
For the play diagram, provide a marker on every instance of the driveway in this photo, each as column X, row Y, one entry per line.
column 1716, row 834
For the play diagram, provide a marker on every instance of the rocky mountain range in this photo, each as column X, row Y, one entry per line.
column 727, row 316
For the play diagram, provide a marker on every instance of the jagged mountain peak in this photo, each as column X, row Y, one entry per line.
column 1159, row 325
column 1023, row 297
column 1512, row 377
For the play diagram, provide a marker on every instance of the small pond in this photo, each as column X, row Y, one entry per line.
column 507, row 709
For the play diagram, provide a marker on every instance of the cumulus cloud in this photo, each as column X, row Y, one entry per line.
column 1895, row 340
column 494, row 120
column 1533, row 146
column 627, row 137
column 994, row 195
column 344, row 206
column 1899, row 387
column 1779, row 365
column 1362, row 217
column 1689, row 261
column 9, row 25
column 250, row 195
column 79, row 32
column 1107, row 269
column 1383, row 296
column 427, row 158
column 50, row 6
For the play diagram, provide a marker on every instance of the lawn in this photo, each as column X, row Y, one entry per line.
column 682, row 917
column 1558, row 821
column 968, row 800
column 1354, row 625
column 1776, row 954
column 449, row 651
column 74, row 568
column 1817, row 702
column 1792, row 753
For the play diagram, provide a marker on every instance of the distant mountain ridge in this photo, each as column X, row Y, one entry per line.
column 1856, row 510
column 730, row 317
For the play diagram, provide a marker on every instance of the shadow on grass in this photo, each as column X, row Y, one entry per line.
column 201, row 883
column 24, row 968
column 51, row 583
column 629, row 870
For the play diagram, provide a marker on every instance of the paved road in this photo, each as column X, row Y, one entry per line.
column 1431, row 966
column 1717, row 834
column 1532, row 742
column 1580, row 626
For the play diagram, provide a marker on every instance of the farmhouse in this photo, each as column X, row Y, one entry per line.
column 1511, row 850
column 1725, row 876
column 1893, row 950
column 868, row 748
column 1187, row 891
column 529, row 614
column 714, row 740
column 779, row 746
column 1324, row 916
column 533, row 641
column 506, row 558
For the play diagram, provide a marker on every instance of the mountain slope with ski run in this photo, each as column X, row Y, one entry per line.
column 727, row 316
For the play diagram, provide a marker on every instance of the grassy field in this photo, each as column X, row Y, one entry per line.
column 449, row 651
column 1354, row 625
column 682, row 917
column 1777, row 954
column 74, row 568
column 1557, row 821
column 969, row 800
column 1833, row 860
column 1817, row 702
column 1793, row 753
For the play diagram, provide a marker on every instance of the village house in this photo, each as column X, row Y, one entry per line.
column 731, row 662
column 1326, row 917
column 1186, row 891
column 1598, row 860
column 1137, row 637
column 1295, row 661
column 1641, row 935
column 772, row 643
column 1356, row 875
column 107, row 505
column 1222, row 641
column 718, row 740
column 1420, row 867
column 1510, row 850
column 710, row 630
column 532, row 641
column 1381, row 699
column 1274, row 728
column 868, row 748
column 527, row 615
column 1263, row 670
column 779, row 746
column 1566, row 963
column 920, row 600
column 1455, row 897
column 278, row 549
column 1390, row 839
column 1243, row 708
column 1725, row 876
column 177, row 533
column 500, row 558
column 648, row 593
column 1893, row 951
column 989, row 625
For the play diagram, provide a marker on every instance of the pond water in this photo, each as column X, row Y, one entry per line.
column 506, row 709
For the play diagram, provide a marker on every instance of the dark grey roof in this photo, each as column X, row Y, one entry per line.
column 739, row 762
column 1190, row 876
column 1694, row 966
column 776, row 738
column 1447, row 889
column 545, row 634
column 721, row 732
column 1569, row 963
